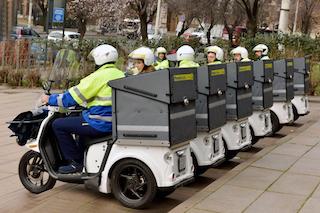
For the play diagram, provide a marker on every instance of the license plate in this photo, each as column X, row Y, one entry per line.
column 243, row 131
column 182, row 163
column 215, row 145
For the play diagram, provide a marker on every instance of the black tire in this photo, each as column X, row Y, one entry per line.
column 229, row 154
column 133, row 184
column 254, row 139
column 32, row 171
column 162, row 193
column 198, row 170
column 295, row 113
column 276, row 126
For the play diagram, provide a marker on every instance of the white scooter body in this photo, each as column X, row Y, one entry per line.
column 237, row 134
column 162, row 161
column 208, row 148
column 284, row 112
column 260, row 122
column 302, row 104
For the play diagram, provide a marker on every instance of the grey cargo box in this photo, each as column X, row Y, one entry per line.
column 262, row 95
column 301, row 75
column 239, row 91
column 157, row 107
column 283, row 80
column 239, row 74
column 211, row 101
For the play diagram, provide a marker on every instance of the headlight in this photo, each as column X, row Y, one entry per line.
column 206, row 141
column 261, row 116
column 235, row 128
column 167, row 157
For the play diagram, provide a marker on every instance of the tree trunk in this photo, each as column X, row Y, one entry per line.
column 209, row 33
column 144, row 27
column 82, row 28
column 252, row 28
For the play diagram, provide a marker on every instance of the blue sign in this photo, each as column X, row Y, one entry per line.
column 58, row 15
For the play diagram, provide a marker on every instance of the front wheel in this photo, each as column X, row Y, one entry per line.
column 276, row 126
column 133, row 184
column 33, row 175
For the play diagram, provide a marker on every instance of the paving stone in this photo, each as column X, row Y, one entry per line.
column 291, row 149
column 295, row 184
column 306, row 166
column 276, row 161
column 199, row 211
column 314, row 153
column 276, row 203
column 311, row 206
column 316, row 193
column 229, row 199
column 304, row 139
column 256, row 178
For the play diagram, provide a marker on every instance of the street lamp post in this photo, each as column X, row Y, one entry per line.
column 156, row 30
column 30, row 14
column 284, row 16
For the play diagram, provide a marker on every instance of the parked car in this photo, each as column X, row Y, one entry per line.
column 19, row 32
column 68, row 35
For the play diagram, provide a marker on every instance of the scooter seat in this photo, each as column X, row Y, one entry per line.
column 88, row 141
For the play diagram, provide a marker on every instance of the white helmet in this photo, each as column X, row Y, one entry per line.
column 104, row 54
column 143, row 53
column 217, row 50
column 261, row 47
column 185, row 52
column 242, row 51
column 160, row 50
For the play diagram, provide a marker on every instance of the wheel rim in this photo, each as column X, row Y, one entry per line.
column 133, row 183
column 36, row 173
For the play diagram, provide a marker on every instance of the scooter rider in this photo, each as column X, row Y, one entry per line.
column 142, row 60
column 93, row 92
column 261, row 52
column 240, row 54
column 185, row 57
column 161, row 62
column 214, row 55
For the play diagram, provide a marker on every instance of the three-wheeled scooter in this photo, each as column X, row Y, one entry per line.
column 148, row 152
column 301, row 84
column 281, row 111
column 262, row 99
column 236, row 132
column 207, row 149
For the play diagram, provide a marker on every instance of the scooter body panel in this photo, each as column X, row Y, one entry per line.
column 237, row 134
column 260, row 122
column 302, row 104
column 208, row 148
column 284, row 112
column 162, row 161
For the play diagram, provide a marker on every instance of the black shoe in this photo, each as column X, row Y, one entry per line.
column 73, row 167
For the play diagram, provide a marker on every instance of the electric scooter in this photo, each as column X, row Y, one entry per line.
column 147, row 154
column 207, row 149
column 301, row 80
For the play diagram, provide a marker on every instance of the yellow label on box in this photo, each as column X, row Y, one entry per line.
column 218, row 72
column 268, row 66
column 245, row 68
column 183, row 77
column 289, row 64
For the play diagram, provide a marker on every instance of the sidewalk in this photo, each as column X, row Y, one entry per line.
column 281, row 178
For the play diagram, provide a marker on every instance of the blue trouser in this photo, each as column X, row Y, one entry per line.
column 64, row 128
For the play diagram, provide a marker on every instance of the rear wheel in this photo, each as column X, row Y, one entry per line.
column 295, row 113
column 33, row 175
column 133, row 184
column 198, row 170
column 254, row 139
column 276, row 126
column 229, row 154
